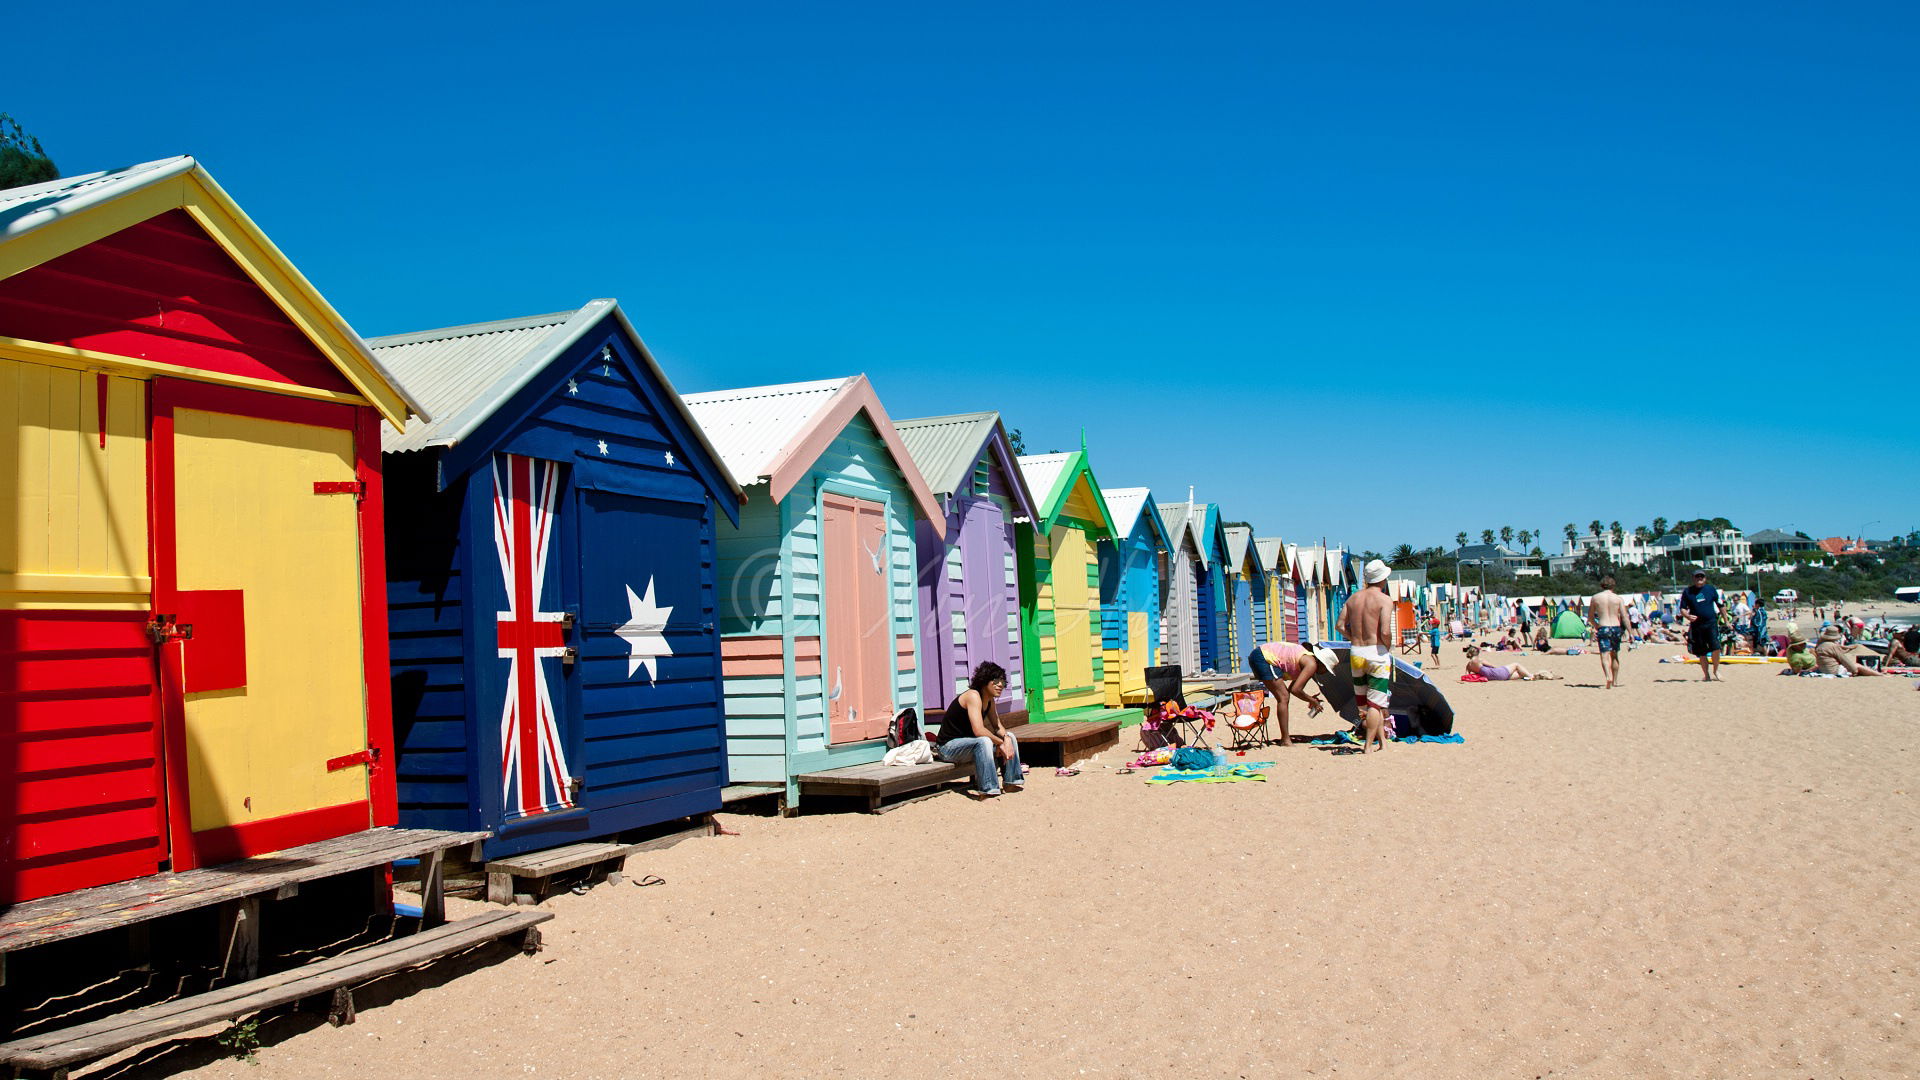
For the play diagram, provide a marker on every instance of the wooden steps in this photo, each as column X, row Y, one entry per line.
column 875, row 781
column 106, row 907
column 52, row 1053
column 540, row 865
column 1065, row 742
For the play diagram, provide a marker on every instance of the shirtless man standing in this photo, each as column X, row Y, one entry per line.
column 1609, row 628
column 1367, row 621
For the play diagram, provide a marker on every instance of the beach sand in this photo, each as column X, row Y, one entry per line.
column 1669, row 879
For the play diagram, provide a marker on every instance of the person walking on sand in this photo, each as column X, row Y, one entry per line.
column 1701, row 605
column 1367, row 622
column 1609, row 628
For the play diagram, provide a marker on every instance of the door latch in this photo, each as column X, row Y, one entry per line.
column 164, row 628
column 569, row 656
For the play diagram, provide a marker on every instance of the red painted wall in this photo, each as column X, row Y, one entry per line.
column 163, row 290
column 80, row 781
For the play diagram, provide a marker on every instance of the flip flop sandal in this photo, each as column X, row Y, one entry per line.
column 650, row 879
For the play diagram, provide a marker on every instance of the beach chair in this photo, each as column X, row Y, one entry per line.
column 1166, row 684
column 1410, row 642
column 1249, row 718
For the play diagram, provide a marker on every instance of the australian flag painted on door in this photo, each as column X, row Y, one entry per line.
column 550, row 544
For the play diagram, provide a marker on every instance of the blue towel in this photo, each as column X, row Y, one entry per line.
column 1452, row 738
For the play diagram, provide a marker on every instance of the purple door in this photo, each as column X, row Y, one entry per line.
column 986, row 542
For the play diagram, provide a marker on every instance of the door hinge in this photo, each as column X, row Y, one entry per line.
column 164, row 628
column 370, row 757
column 355, row 488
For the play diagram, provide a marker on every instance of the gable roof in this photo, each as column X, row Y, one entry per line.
column 1129, row 506
column 1312, row 564
column 1239, row 542
column 945, row 448
column 1777, row 536
column 1273, row 554
column 1180, row 519
column 467, row 374
column 41, row 222
column 1052, row 478
column 774, row 434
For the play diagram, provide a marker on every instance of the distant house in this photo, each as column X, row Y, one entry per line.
column 1630, row 551
column 1776, row 545
column 1490, row 555
column 1842, row 545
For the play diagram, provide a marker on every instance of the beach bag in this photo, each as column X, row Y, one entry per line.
column 904, row 729
column 1188, row 757
column 917, row 752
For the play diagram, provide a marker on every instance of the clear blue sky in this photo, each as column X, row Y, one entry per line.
column 1545, row 262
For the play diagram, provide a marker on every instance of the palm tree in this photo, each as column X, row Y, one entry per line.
column 1526, row 539
column 1506, row 534
column 1403, row 556
column 1642, row 533
column 1617, row 533
column 1486, row 536
column 1659, row 528
column 1571, row 530
column 1460, row 539
column 1593, row 528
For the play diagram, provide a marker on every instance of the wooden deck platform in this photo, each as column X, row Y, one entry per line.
column 50, row 1054
column 875, row 782
column 1065, row 742
column 105, row 907
column 541, row 865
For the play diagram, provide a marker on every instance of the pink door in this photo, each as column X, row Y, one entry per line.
column 856, row 572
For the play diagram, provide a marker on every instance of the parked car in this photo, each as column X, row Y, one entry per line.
column 1786, row 596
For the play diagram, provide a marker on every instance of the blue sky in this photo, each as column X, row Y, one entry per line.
column 1374, row 272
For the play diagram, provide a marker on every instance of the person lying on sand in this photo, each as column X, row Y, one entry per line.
column 1498, row 673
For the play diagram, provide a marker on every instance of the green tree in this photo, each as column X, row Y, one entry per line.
column 1486, row 536
column 1571, row 530
column 1506, row 534
column 1642, row 533
column 1614, row 530
column 1460, row 539
column 1593, row 528
column 22, row 159
column 1526, row 538
column 1404, row 558
column 1659, row 527
column 1016, row 442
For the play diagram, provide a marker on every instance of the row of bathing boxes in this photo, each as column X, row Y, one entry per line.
column 264, row 582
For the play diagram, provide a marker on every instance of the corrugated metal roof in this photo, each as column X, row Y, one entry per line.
column 461, row 374
column 944, row 448
column 1270, row 549
column 1239, row 538
column 1042, row 472
column 1180, row 516
column 1124, row 506
column 25, row 208
column 750, row 426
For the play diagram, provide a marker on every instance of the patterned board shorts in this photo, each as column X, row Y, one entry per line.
column 1372, row 670
column 1608, row 637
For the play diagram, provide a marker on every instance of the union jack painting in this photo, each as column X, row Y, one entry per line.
column 533, row 764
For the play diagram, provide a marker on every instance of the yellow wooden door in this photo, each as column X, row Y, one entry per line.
column 1134, row 658
column 247, row 518
column 1074, row 604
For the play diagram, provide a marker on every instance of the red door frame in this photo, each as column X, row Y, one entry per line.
column 382, row 805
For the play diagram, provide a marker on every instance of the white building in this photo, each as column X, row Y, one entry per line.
column 1726, row 549
column 1628, row 552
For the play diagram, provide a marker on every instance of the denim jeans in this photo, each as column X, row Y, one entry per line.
column 985, row 776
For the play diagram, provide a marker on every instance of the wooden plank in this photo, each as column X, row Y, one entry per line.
column 87, row 911
column 115, row 1033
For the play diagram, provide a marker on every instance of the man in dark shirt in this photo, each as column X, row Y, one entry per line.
column 1700, row 605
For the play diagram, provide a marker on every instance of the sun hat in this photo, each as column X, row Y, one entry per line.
column 1328, row 662
column 1376, row 572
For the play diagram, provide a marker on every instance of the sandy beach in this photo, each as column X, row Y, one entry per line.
column 1669, row 879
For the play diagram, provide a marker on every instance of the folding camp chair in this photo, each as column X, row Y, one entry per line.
column 1410, row 642
column 1167, row 686
column 1249, row 718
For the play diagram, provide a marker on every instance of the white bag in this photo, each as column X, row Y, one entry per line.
column 917, row 752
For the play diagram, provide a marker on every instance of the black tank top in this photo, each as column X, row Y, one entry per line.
column 955, row 724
